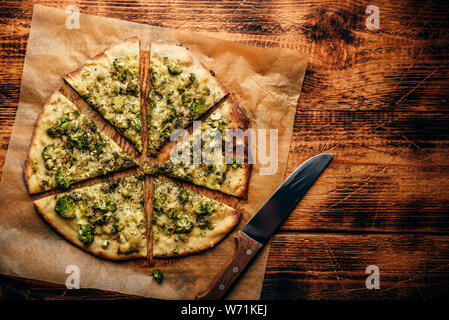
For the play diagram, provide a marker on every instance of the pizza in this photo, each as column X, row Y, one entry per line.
column 68, row 147
column 110, row 83
column 106, row 219
column 109, row 219
column 230, row 176
column 182, row 89
column 185, row 222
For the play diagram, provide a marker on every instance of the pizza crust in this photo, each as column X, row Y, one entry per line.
column 36, row 141
column 240, row 120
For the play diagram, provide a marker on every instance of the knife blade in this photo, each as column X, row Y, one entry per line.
column 265, row 222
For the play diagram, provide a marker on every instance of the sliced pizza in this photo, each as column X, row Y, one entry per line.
column 110, row 83
column 185, row 222
column 216, row 171
column 181, row 90
column 106, row 219
column 67, row 147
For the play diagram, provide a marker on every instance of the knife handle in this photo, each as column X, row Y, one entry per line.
column 246, row 250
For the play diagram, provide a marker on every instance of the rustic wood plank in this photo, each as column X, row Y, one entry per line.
column 390, row 171
column 12, row 288
column 317, row 266
column 332, row 266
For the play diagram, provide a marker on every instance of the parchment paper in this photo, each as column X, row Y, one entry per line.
column 266, row 83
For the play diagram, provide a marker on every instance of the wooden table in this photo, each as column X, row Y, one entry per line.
column 378, row 99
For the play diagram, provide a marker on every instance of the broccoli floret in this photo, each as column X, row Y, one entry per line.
column 121, row 76
column 91, row 126
column 174, row 70
column 156, row 205
column 87, row 234
column 197, row 109
column 205, row 208
column 185, row 98
column 62, row 180
column 183, row 195
column 183, row 225
column 47, row 157
column 202, row 217
column 158, row 275
column 79, row 139
column 116, row 226
column 119, row 65
column 61, row 127
column 106, row 205
column 64, row 207
column 56, row 131
column 132, row 89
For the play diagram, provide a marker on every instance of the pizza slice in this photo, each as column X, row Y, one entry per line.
column 185, row 222
column 214, row 171
column 181, row 90
column 110, row 83
column 106, row 219
column 67, row 147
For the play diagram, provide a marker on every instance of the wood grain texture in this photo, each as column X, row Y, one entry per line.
column 333, row 266
column 377, row 99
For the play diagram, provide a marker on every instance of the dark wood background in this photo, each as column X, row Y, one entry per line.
column 378, row 99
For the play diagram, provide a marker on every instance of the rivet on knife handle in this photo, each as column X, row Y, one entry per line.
column 246, row 250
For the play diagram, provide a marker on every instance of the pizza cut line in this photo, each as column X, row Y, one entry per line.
column 108, row 219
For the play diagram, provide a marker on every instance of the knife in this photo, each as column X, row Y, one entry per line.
column 256, row 233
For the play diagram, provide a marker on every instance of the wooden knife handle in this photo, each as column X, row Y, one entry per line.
column 246, row 250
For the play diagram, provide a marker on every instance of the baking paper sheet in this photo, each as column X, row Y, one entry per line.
column 266, row 83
